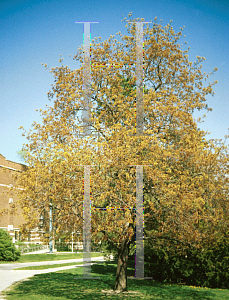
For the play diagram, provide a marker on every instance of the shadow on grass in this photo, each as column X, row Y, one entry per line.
column 62, row 285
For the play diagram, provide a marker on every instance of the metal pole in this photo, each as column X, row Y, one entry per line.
column 139, row 233
column 87, row 132
column 86, row 227
column 139, row 254
column 87, row 224
column 140, row 78
column 13, row 245
column 86, row 78
column 72, row 241
column 50, row 228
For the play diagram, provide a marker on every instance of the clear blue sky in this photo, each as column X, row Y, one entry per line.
column 38, row 31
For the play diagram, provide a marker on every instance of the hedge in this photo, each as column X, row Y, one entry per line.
column 208, row 267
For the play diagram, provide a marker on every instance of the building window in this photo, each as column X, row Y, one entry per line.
column 10, row 227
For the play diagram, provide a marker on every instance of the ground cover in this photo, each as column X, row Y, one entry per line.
column 62, row 285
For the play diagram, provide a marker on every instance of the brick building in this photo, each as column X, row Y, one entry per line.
column 11, row 220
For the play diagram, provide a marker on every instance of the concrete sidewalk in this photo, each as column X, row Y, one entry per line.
column 9, row 275
column 14, row 266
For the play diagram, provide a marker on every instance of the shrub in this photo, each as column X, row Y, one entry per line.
column 8, row 251
column 63, row 247
column 208, row 267
column 20, row 244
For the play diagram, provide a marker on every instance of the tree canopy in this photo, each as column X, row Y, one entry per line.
column 185, row 174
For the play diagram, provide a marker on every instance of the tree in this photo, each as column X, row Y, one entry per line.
column 21, row 154
column 179, row 156
column 8, row 252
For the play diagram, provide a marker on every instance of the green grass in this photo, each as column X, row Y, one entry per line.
column 49, row 257
column 43, row 267
column 61, row 285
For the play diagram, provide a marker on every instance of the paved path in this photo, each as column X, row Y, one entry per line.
column 10, row 275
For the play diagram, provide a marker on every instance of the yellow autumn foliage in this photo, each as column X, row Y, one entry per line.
column 185, row 175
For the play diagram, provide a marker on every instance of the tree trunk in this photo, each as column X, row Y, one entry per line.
column 121, row 273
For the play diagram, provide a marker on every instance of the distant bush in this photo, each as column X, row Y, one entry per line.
column 208, row 267
column 20, row 244
column 8, row 251
column 62, row 247
column 32, row 245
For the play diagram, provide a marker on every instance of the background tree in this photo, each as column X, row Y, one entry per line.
column 8, row 251
column 185, row 198
column 21, row 154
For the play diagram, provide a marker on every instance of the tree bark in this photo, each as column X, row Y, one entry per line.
column 121, row 273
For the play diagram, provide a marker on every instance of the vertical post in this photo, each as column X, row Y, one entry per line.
column 13, row 246
column 87, row 131
column 86, row 227
column 50, row 228
column 86, row 78
column 87, row 224
column 139, row 78
column 139, row 254
column 72, row 241
column 139, row 233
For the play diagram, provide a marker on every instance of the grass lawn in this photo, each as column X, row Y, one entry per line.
column 50, row 257
column 43, row 267
column 62, row 286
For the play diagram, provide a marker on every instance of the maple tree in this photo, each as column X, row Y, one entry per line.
column 185, row 182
